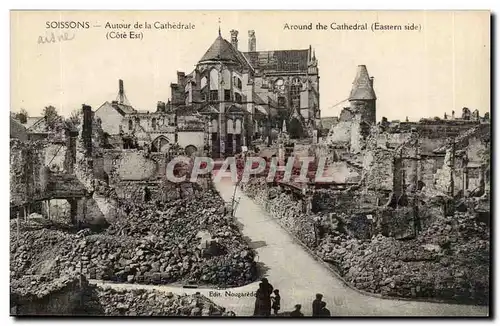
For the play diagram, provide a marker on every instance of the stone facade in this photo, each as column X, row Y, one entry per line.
column 242, row 95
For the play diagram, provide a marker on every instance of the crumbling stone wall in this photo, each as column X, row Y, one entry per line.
column 340, row 133
column 291, row 215
column 131, row 165
column 27, row 173
column 341, row 172
column 134, row 165
column 288, row 209
column 356, row 136
column 378, row 169
column 448, row 260
column 37, row 295
column 391, row 140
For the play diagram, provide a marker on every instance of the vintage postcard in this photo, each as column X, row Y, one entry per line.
column 272, row 164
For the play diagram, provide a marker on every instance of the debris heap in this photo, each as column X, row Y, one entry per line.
column 156, row 243
column 73, row 295
column 140, row 302
column 448, row 260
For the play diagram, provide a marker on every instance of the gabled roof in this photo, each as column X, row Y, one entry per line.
column 17, row 130
column 126, row 109
column 123, row 109
column 362, row 88
column 31, row 121
column 39, row 125
column 279, row 61
column 221, row 50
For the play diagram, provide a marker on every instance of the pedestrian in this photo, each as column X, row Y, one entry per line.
column 296, row 312
column 262, row 307
column 323, row 312
column 276, row 300
column 267, row 286
column 317, row 304
column 268, row 290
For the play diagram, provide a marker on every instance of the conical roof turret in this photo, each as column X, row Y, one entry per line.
column 362, row 87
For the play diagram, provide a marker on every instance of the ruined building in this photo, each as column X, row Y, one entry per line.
column 230, row 99
column 355, row 121
column 242, row 95
column 130, row 128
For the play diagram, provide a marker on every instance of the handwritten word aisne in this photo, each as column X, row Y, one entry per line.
column 53, row 38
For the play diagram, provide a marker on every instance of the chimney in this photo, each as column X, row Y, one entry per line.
column 234, row 38
column 87, row 128
column 252, row 42
column 180, row 78
column 121, row 91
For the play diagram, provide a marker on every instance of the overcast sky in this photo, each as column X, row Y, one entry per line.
column 441, row 68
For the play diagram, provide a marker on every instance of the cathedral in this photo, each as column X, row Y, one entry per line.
column 243, row 96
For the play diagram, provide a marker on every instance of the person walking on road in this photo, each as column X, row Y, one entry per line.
column 323, row 312
column 316, row 305
column 276, row 300
column 268, row 290
column 261, row 308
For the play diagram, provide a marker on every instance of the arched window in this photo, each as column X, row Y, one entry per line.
column 153, row 123
column 160, row 144
column 130, row 124
column 237, row 82
column 237, row 127
column 203, row 82
column 214, row 79
column 226, row 79
column 295, row 92
column 214, row 126
column 237, row 97
column 230, row 126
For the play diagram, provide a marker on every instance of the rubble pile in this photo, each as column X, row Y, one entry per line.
column 256, row 188
column 140, row 302
column 73, row 295
column 34, row 249
column 291, row 216
column 155, row 244
column 34, row 287
column 449, row 260
column 41, row 295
